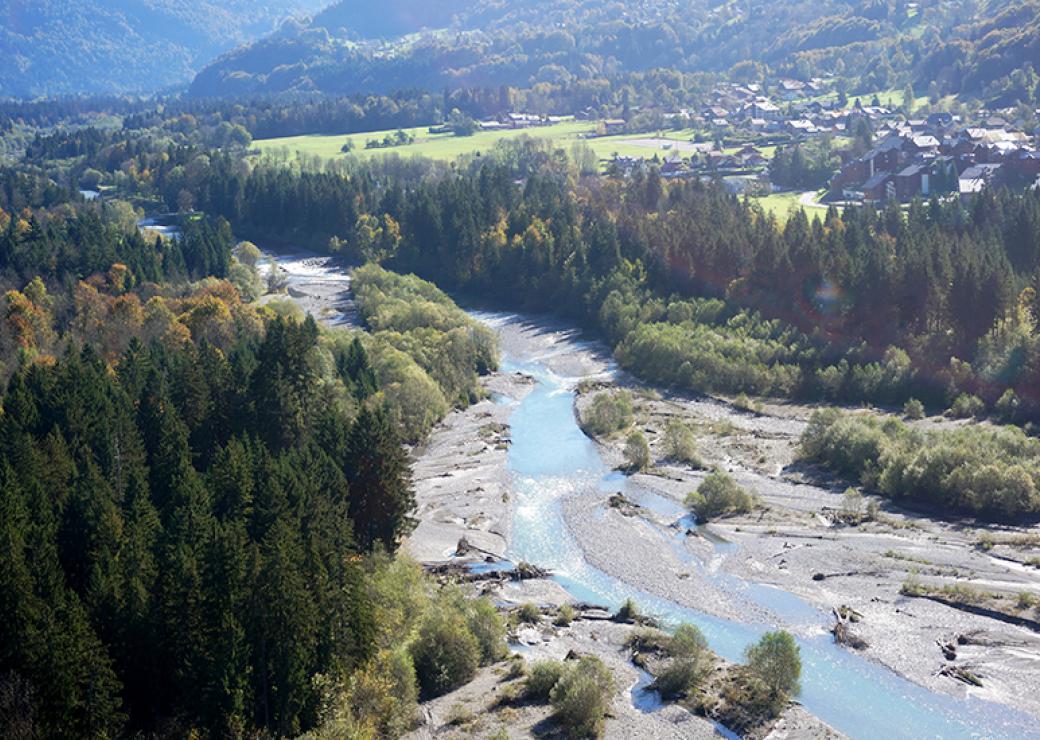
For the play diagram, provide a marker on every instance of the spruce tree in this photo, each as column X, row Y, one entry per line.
column 381, row 496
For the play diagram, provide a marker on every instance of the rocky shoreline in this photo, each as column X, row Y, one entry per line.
column 462, row 484
column 795, row 542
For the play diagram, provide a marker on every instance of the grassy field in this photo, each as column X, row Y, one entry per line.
column 781, row 205
column 446, row 147
column 888, row 98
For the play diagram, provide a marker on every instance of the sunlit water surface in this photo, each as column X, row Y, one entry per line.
column 551, row 459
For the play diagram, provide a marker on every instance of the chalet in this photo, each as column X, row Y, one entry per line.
column 674, row 167
column 876, row 112
column 614, row 126
column 962, row 146
column 912, row 181
column 976, row 178
column 921, row 143
column 523, row 120
column 740, row 184
column 626, row 166
column 1023, row 165
column 800, row 126
column 790, row 89
column 829, row 120
column 763, row 109
column 885, row 157
column 880, row 187
column 763, row 126
column 862, row 177
column 717, row 160
column 748, row 157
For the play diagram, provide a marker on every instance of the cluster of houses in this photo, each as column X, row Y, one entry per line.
column 910, row 158
column 938, row 154
column 794, row 108
column 935, row 156
column 743, row 167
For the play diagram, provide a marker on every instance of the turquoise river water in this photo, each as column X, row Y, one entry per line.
column 551, row 458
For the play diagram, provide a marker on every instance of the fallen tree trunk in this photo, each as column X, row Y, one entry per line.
column 982, row 611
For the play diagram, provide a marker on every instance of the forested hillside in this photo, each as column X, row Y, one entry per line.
column 198, row 494
column 57, row 47
column 350, row 49
column 995, row 54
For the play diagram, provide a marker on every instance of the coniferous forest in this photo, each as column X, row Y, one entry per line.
column 201, row 497
column 696, row 287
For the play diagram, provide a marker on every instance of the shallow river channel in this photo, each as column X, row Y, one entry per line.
column 551, row 459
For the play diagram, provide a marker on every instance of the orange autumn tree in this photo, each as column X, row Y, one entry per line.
column 28, row 324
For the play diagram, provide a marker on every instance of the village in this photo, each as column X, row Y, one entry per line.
column 878, row 153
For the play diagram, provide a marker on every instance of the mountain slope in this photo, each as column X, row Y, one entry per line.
column 356, row 48
column 92, row 46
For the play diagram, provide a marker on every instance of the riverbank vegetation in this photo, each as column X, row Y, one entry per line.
column 426, row 351
column 719, row 496
column 985, row 471
column 580, row 693
column 456, row 636
column 743, row 698
column 608, row 414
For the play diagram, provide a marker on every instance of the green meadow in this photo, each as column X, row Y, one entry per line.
column 447, row 147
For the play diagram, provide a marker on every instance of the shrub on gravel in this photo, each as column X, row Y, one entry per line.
column 719, row 495
column 637, row 452
column 776, row 660
column 680, row 445
column 541, row 679
column 608, row 413
column 581, row 697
